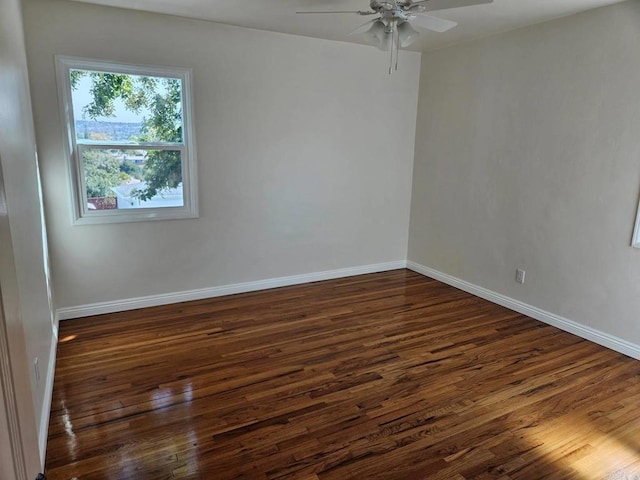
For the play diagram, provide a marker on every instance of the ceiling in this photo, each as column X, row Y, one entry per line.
column 279, row 16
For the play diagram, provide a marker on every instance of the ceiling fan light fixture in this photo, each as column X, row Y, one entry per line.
column 407, row 34
column 376, row 34
column 393, row 27
column 385, row 43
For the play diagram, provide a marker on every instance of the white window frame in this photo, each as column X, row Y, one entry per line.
column 635, row 241
column 81, row 214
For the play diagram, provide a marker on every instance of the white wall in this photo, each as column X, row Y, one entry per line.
column 23, row 280
column 528, row 155
column 305, row 155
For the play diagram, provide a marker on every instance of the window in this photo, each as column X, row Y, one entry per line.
column 130, row 141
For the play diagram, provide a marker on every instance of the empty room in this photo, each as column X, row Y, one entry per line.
column 319, row 239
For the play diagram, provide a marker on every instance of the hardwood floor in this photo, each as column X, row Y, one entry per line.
column 383, row 376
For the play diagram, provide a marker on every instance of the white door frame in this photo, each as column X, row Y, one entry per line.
column 10, row 439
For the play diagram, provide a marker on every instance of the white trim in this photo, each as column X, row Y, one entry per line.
column 588, row 333
column 9, row 402
column 45, row 415
column 583, row 331
column 67, row 313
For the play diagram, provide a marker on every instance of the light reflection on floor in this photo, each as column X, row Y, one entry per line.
column 72, row 442
column 562, row 442
column 173, row 448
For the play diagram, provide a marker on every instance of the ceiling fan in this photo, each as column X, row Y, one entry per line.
column 393, row 26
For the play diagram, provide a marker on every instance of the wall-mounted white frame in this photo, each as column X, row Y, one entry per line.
column 81, row 214
column 635, row 241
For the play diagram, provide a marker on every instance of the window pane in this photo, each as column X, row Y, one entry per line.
column 124, row 108
column 130, row 178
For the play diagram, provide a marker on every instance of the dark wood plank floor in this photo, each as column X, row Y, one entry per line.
column 384, row 376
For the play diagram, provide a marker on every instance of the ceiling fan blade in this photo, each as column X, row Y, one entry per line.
column 359, row 12
column 362, row 28
column 433, row 5
column 431, row 23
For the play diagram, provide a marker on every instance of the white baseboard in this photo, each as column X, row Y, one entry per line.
column 588, row 333
column 46, row 402
column 67, row 313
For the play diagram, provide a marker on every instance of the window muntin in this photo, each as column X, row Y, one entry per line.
column 132, row 153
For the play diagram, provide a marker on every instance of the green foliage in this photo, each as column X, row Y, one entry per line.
column 76, row 75
column 102, row 171
column 163, row 170
column 165, row 123
column 131, row 169
column 162, row 98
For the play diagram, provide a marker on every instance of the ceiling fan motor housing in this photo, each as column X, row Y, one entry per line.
column 397, row 8
column 396, row 12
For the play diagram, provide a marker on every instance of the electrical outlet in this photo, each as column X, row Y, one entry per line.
column 36, row 368
column 520, row 275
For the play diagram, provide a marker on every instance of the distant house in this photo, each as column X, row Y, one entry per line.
column 171, row 197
